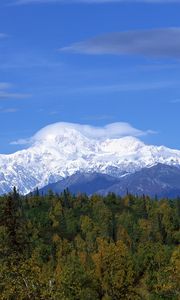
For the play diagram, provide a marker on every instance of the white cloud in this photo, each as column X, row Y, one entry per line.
column 21, row 142
column 125, row 87
column 110, row 131
column 175, row 101
column 6, row 95
column 28, row 60
column 23, row 2
column 5, row 92
column 8, row 110
column 163, row 42
column 4, row 85
column 2, row 35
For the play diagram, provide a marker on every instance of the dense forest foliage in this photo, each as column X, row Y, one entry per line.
column 69, row 247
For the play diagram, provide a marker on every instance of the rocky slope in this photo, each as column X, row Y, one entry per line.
column 160, row 180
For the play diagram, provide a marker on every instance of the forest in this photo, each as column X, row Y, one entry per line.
column 75, row 247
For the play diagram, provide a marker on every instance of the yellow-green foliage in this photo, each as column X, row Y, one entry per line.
column 65, row 247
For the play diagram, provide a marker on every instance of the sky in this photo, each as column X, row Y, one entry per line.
column 94, row 62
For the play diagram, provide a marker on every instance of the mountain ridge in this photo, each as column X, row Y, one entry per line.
column 157, row 181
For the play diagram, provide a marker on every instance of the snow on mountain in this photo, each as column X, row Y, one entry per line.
column 62, row 149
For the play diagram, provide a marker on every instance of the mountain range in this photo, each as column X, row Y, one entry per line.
column 62, row 150
column 159, row 180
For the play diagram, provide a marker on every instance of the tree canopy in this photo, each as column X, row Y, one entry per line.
column 89, row 248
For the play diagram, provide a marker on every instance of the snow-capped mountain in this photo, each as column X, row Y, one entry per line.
column 61, row 149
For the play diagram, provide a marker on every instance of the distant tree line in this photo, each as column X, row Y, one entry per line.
column 68, row 247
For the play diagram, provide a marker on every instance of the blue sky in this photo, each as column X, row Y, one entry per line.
column 89, row 62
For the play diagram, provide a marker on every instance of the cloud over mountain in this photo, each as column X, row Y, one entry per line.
column 110, row 131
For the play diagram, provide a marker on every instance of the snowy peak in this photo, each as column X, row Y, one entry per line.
column 122, row 145
column 58, row 133
column 62, row 149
